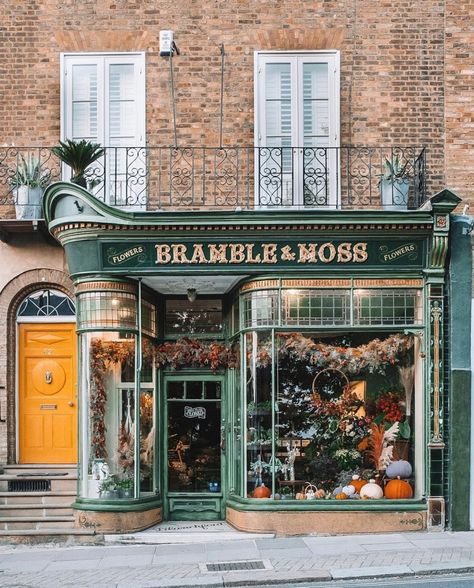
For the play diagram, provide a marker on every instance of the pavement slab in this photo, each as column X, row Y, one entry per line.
column 290, row 560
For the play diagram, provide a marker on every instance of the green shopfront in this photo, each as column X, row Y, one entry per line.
column 282, row 371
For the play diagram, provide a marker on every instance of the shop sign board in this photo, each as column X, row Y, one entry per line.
column 149, row 255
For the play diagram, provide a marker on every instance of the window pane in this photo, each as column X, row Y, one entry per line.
column 316, row 307
column 259, row 412
column 194, row 446
column 315, row 104
column 260, row 308
column 200, row 316
column 107, row 416
column 387, row 307
column 84, row 102
column 278, row 101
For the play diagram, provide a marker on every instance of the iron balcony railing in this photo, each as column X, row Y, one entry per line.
column 229, row 178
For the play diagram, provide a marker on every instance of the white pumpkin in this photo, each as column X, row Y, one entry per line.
column 399, row 469
column 337, row 490
column 371, row 490
column 349, row 490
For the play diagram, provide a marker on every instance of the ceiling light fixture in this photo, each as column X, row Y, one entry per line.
column 191, row 293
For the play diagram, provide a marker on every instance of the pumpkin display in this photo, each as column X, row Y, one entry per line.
column 397, row 489
column 341, row 496
column 371, row 490
column 399, row 469
column 357, row 482
column 262, row 492
column 349, row 490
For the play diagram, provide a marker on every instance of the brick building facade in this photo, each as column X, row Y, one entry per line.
column 405, row 80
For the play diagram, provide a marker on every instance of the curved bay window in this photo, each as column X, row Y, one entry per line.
column 328, row 409
column 118, row 404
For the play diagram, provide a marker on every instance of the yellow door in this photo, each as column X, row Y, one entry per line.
column 47, row 393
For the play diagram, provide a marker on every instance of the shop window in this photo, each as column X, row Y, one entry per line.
column 316, row 307
column 200, row 316
column 387, row 307
column 104, row 102
column 337, row 407
column 108, row 417
column 148, row 324
column 260, row 308
column 107, row 309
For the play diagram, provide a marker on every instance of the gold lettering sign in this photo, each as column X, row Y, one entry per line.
column 264, row 253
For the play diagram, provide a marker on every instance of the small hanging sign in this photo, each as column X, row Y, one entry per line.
column 195, row 412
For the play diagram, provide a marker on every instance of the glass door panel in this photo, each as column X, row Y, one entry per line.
column 194, row 436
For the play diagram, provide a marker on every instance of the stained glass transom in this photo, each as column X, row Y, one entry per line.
column 46, row 303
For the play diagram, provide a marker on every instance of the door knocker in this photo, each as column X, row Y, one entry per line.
column 48, row 377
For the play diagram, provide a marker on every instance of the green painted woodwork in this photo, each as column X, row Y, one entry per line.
column 140, row 505
column 382, row 505
column 89, row 229
column 193, row 505
column 199, row 507
column 459, row 449
column 230, row 255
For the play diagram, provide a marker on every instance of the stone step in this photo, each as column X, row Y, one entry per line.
column 43, row 468
column 18, row 523
column 148, row 538
column 48, row 535
column 26, row 510
column 65, row 497
column 68, row 482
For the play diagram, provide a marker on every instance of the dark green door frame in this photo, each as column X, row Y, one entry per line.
column 193, row 505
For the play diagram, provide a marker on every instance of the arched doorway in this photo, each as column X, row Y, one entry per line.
column 46, row 381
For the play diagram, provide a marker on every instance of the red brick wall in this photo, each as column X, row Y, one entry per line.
column 459, row 77
column 392, row 67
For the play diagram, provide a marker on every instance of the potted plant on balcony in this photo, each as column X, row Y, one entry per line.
column 394, row 184
column 28, row 183
column 78, row 155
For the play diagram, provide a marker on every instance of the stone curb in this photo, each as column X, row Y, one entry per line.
column 275, row 578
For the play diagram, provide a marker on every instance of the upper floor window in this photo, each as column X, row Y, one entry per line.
column 103, row 101
column 297, row 127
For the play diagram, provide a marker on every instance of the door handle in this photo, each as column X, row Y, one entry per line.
column 70, row 403
column 223, row 444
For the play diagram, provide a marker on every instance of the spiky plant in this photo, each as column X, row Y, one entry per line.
column 394, row 171
column 29, row 173
column 78, row 155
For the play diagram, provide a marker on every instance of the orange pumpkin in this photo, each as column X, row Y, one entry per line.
column 357, row 482
column 396, row 489
column 262, row 492
column 341, row 496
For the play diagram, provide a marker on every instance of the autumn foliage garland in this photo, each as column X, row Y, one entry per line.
column 182, row 353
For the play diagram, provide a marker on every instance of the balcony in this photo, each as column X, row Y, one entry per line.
column 187, row 179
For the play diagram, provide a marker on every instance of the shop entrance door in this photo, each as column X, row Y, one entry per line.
column 47, row 393
column 194, row 448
